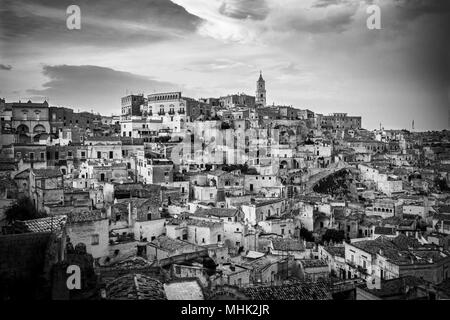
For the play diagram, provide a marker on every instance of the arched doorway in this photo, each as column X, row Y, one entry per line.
column 22, row 129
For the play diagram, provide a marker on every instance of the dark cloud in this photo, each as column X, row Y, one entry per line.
column 94, row 87
column 5, row 67
column 411, row 9
column 103, row 22
column 245, row 9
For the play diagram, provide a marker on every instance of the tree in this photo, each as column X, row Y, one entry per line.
column 337, row 236
column 306, row 235
column 23, row 209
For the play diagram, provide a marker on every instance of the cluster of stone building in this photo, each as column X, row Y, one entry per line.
column 121, row 201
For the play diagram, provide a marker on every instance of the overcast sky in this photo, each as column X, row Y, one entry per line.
column 315, row 54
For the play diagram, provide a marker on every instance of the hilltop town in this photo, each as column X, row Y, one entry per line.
column 219, row 198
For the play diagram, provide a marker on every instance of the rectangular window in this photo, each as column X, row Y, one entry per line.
column 95, row 239
column 42, row 155
column 111, row 154
column 99, row 155
column 31, row 155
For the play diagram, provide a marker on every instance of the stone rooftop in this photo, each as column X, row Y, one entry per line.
column 218, row 212
column 338, row 251
column 85, row 216
column 287, row 245
column 184, row 289
column 47, row 173
column 299, row 291
column 169, row 244
column 313, row 263
column 135, row 287
column 47, row 224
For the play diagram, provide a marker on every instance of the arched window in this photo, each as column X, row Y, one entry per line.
column 39, row 129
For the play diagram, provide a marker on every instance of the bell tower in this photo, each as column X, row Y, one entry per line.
column 260, row 91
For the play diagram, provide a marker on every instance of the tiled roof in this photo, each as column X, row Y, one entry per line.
column 25, row 174
column 135, row 287
column 128, row 186
column 47, row 224
column 313, row 263
column 102, row 138
column 262, row 263
column 401, row 250
column 287, row 245
column 429, row 256
column 85, row 216
column 7, row 166
column 47, row 173
column 338, row 251
column 131, row 263
column 169, row 244
column 299, row 291
column 374, row 246
column 262, row 203
column 203, row 223
column 218, row 212
column 404, row 242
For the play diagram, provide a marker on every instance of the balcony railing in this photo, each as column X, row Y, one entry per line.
column 362, row 270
